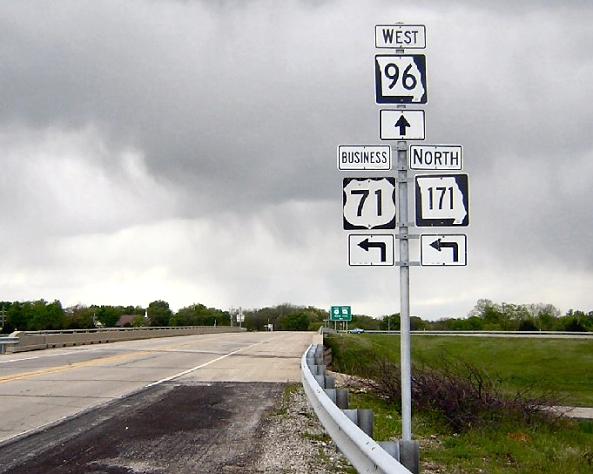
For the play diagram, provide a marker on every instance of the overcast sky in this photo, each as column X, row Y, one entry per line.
column 186, row 150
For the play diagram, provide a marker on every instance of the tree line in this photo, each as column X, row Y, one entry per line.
column 486, row 315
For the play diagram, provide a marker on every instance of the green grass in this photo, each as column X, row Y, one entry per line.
column 563, row 446
column 560, row 366
column 566, row 447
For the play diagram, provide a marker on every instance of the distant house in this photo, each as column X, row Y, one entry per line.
column 126, row 320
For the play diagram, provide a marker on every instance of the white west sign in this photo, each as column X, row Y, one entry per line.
column 442, row 200
column 443, row 250
column 400, row 36
column 401, row 124
column 369, row 203
column 370, row 250
column 364, row 157
column 436, row 157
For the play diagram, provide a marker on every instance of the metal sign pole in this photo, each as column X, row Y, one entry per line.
column 404, row 284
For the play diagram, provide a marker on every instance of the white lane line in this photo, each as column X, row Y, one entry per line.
column 193, row 369
column 18, row 360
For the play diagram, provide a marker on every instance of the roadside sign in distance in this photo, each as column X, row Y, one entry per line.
column 443, row 250
column 436, row 157
column 340, row 313
column 370, row 250
column 400, row 79
column 401, row 124
column 400, row 36
column 364, row 157
column 369, row 203
column 442, row 200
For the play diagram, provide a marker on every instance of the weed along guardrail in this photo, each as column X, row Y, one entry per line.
column 33, row 340
column 352, row 430
column 533, row 334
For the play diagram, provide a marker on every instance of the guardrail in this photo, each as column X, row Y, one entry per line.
column 346, row 426
column 33, row 340
column 6, row 341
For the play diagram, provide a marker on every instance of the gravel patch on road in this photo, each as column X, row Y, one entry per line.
column 293, row 440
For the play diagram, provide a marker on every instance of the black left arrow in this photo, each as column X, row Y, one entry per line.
column 366, row 245
column 438, row 245
column 402, row 123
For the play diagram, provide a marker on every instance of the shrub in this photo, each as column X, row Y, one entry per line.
column 463, row 395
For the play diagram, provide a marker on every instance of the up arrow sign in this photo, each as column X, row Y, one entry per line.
column 402, row 123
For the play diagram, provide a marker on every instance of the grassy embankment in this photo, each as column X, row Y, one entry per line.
column 563, row 367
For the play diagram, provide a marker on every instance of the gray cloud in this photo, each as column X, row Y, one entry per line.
column 119, row 117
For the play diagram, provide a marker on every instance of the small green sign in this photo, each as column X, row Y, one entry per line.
column 340, row 313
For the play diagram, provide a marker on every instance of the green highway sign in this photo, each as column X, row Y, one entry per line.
column 340, row 313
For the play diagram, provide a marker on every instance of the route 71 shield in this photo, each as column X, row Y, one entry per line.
column 369, row 203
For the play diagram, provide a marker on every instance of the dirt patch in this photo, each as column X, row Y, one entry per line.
column 185, row 428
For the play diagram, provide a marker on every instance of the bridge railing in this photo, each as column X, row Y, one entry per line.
column 33, row 340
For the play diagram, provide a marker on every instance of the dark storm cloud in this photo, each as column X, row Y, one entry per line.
column 120, row 114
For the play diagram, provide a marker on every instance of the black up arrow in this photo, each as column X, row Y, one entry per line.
column 438, row 245
column 366, row 245
column 402, row 123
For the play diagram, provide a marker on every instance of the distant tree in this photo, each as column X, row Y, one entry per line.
column 365, row 322
column 298, row 321
column 107, row 315
column 159, row 313
column 200, row 315
column 79, row 317
column 390, row 322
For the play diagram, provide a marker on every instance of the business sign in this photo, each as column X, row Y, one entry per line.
column 400, row 36
column 370, row 250
column 443, row 250
column 442, row 200
column 364, row 157
column 400, row 79
column 340, row 313
column 436, row 157
column 369, row 203
column 401, row 124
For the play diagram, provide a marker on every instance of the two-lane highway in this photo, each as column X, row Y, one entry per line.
column 40, row 388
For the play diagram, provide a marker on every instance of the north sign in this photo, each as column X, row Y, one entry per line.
column 436, row 157
column 400, row 79
column 443, row 250
column 401, row 124
column 369, row 203
column 370, row 250
column 364, row 157
column 400, row 36
column 442, row 200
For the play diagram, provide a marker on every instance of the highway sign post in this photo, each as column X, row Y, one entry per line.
column 370, row 250
column 441, row 200
column 443, row 250
column 340, row 313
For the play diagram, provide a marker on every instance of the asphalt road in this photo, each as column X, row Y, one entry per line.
column 39, row 389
